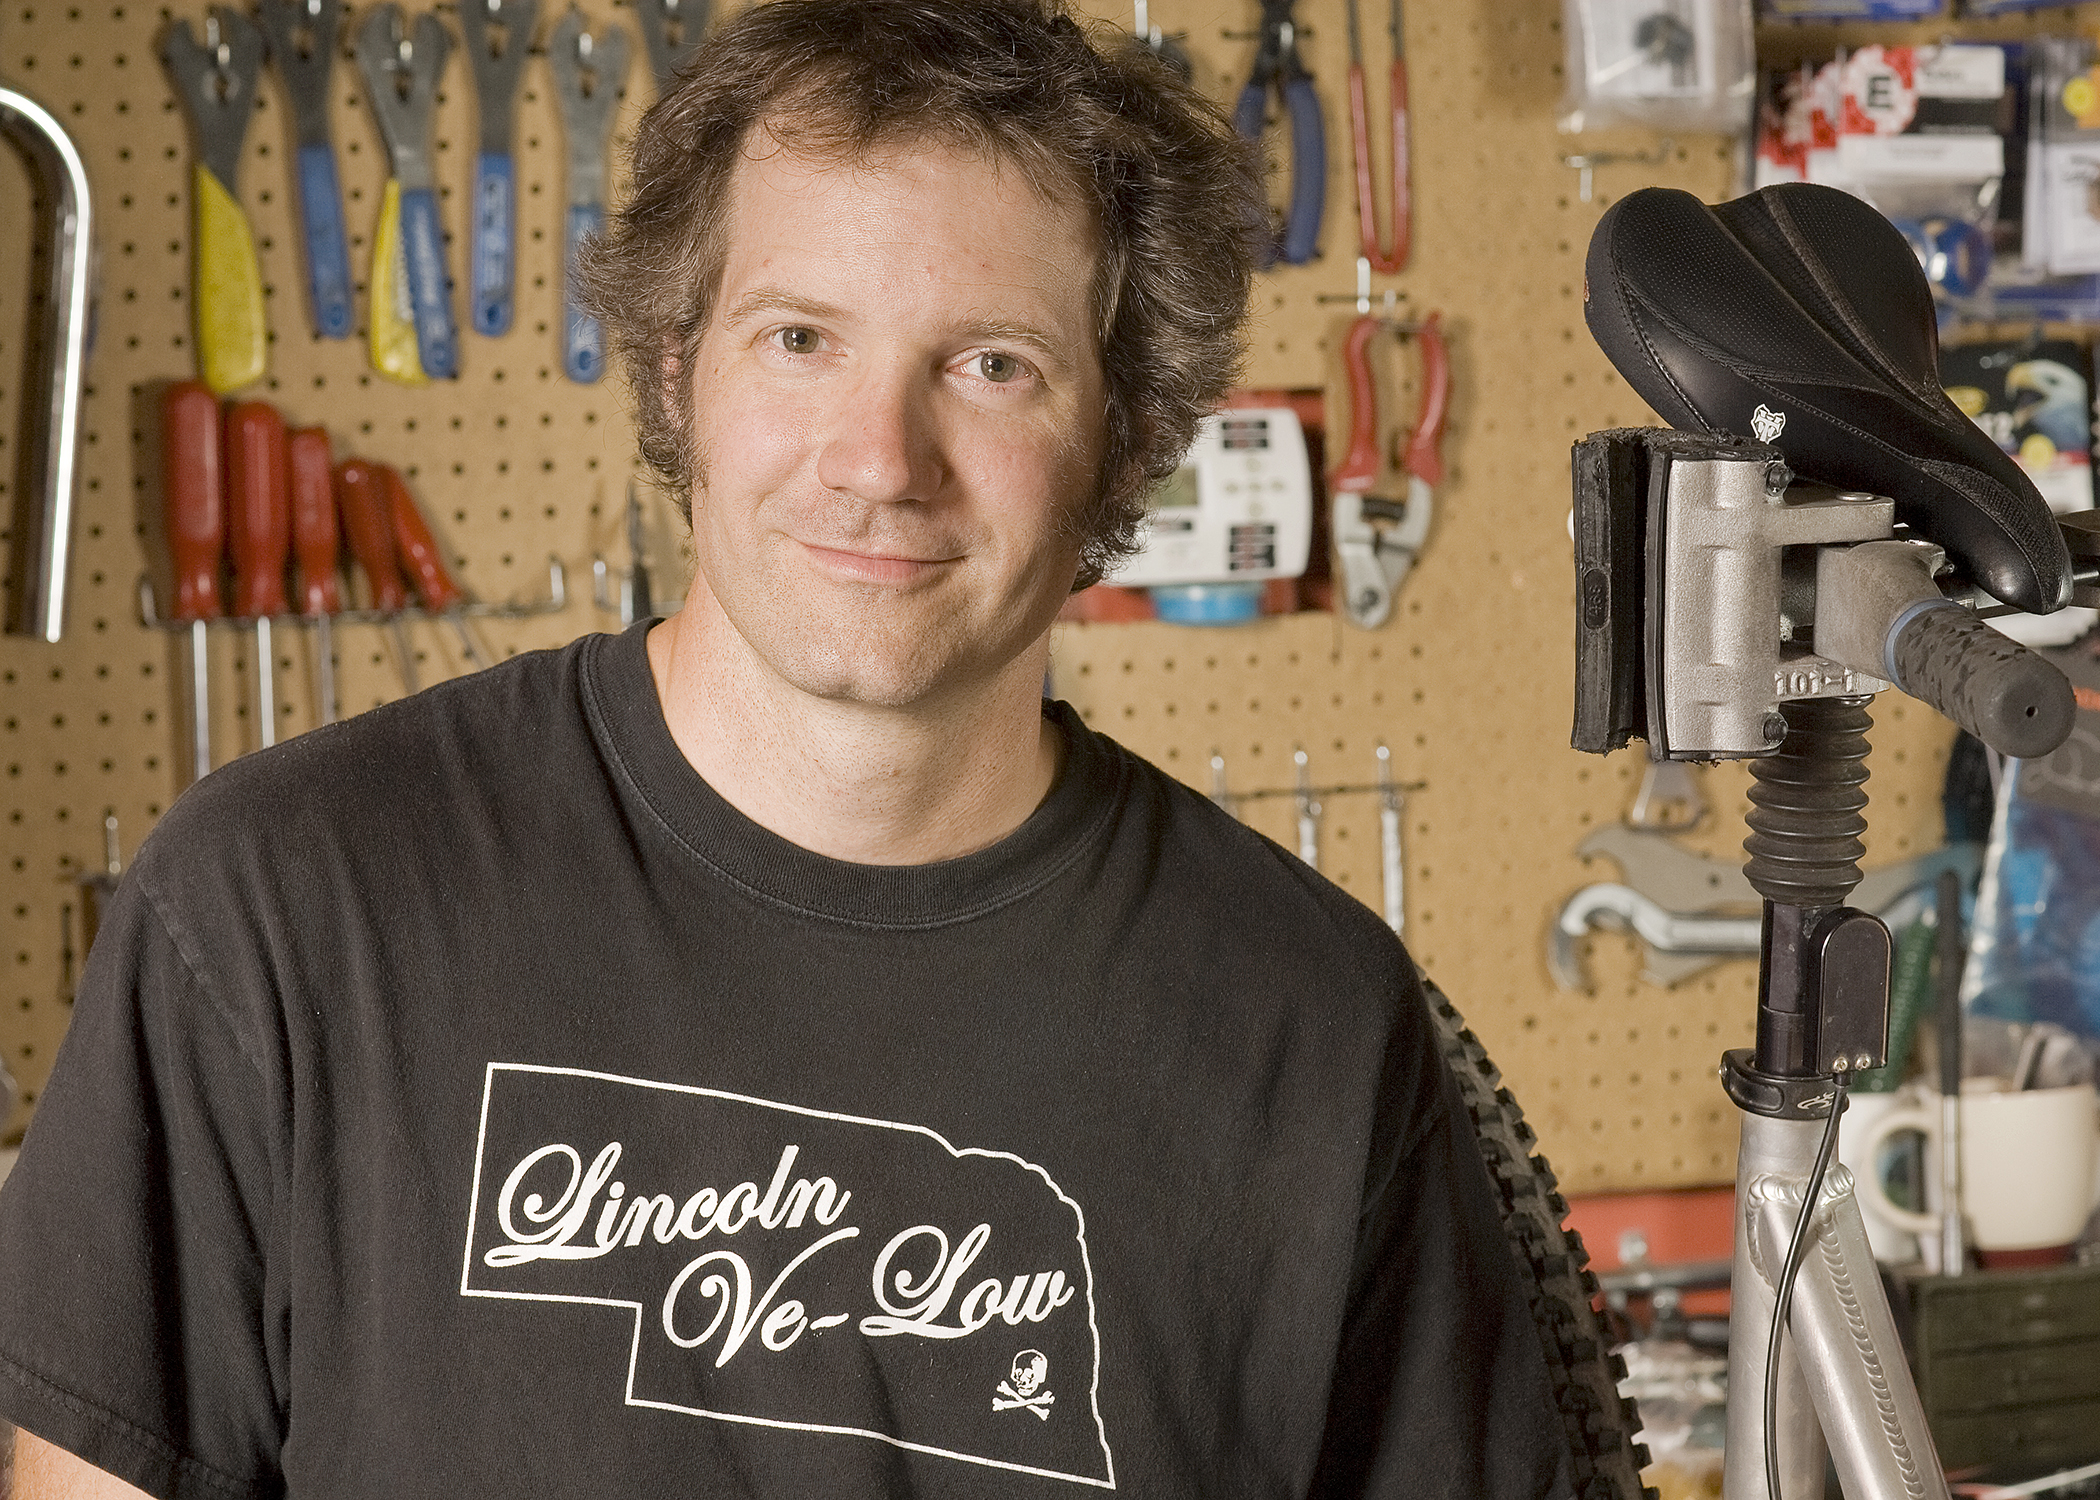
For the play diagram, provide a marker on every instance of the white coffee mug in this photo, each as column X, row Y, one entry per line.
column 2030, row 1164
column 1892, row 1243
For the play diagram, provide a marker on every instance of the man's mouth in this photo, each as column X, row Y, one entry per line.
column 875, row 565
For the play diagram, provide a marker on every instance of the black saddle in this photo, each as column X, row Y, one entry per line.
column 1799, row 316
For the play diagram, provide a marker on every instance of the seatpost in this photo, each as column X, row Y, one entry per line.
column 1822, row 1012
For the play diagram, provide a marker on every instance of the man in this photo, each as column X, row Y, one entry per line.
column 773, row 1053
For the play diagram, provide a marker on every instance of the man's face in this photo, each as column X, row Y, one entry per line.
column 897, row 404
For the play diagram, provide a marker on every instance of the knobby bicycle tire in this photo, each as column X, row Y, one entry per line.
column 1599, row 1423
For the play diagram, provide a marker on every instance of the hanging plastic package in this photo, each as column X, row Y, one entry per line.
column 1686, row 65
column 2034, row 953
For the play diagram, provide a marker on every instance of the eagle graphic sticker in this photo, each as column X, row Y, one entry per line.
column 846, row 1278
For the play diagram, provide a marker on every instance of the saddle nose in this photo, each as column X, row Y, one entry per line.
column 1800, row 316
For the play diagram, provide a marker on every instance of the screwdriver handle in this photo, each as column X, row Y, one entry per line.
column 314, row 528
column 360, row 489
column 193, row 483
column 418, row 548
column 258, row 507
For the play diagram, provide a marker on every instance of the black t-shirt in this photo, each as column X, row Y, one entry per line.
column 465, row 1100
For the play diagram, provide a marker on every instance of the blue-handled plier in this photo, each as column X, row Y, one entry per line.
column 1276, row 63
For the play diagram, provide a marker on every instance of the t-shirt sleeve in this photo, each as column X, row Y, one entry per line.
column 1440, row 1391
column 136, row 1322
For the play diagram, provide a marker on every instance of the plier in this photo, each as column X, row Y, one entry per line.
column 1376, row 539
column 1276, row 63
column 1382, row 261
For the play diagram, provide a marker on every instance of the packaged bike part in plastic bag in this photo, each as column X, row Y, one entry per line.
column 2034, row 952
column 1667, row 64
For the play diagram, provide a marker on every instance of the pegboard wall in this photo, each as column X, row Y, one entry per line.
column 1469, row 683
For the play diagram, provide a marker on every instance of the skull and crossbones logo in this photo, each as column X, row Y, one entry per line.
column 1024, row 1388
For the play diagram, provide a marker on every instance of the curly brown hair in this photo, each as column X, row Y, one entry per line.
column 1171, row 190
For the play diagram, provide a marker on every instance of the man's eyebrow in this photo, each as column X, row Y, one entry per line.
column 768, row 299
column 760, row 301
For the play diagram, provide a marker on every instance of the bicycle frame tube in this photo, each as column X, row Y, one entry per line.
column 1843, row 1379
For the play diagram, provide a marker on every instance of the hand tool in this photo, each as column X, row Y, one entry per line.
column 1389, row 853
column 193, row 486
column 641, row 604
column 1950, row 950
column 671, row 30
column 302, row 43
column 216, row 82
column 392, row 332
column 98, row 886
column 57, row 366
column 1308, row 812
column 1383, row 261
column 588, row 72
column 1376, row 540
column 415, row 546
column 401, row 69
column 1669, row 798
column 1678, row 942
column 259, row 528
column 499, row 39
column 368, row 525
column 1665, row 871
column 315, row 533
column 1277, row 64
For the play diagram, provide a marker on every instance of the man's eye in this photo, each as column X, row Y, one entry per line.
column 998, row 368
column 798, row 340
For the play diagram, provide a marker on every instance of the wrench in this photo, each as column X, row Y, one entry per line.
column 499, row 38
column 216, row 81
column 302, row 43
column 402, row 69
column 1682, row 943
column 588, row 72
column 671, row 30
column 1668, row 875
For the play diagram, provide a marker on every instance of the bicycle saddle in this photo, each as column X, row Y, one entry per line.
column 1798, row 315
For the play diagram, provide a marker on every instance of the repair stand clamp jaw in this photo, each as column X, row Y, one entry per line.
column 1376, row 539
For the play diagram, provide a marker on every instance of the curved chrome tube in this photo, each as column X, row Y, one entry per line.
column 51, row 436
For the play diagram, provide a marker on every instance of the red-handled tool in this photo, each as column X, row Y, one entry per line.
column 360, row 489
column 426, row 563
column 1377, row 539
column 1384, row 261
column 259, row 527
column 315, row 539
column 193, row 485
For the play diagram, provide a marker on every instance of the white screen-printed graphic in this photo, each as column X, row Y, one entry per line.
column 796, row 1269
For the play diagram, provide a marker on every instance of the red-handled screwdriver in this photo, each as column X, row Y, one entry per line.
column 314, row 544
column 259, row 526
column 360, row 489
column 193, row 484
column 419, row 549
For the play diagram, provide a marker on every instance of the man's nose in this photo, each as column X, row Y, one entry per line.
column 882, row 446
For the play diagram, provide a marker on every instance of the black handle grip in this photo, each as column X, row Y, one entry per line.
column 1991, row 685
